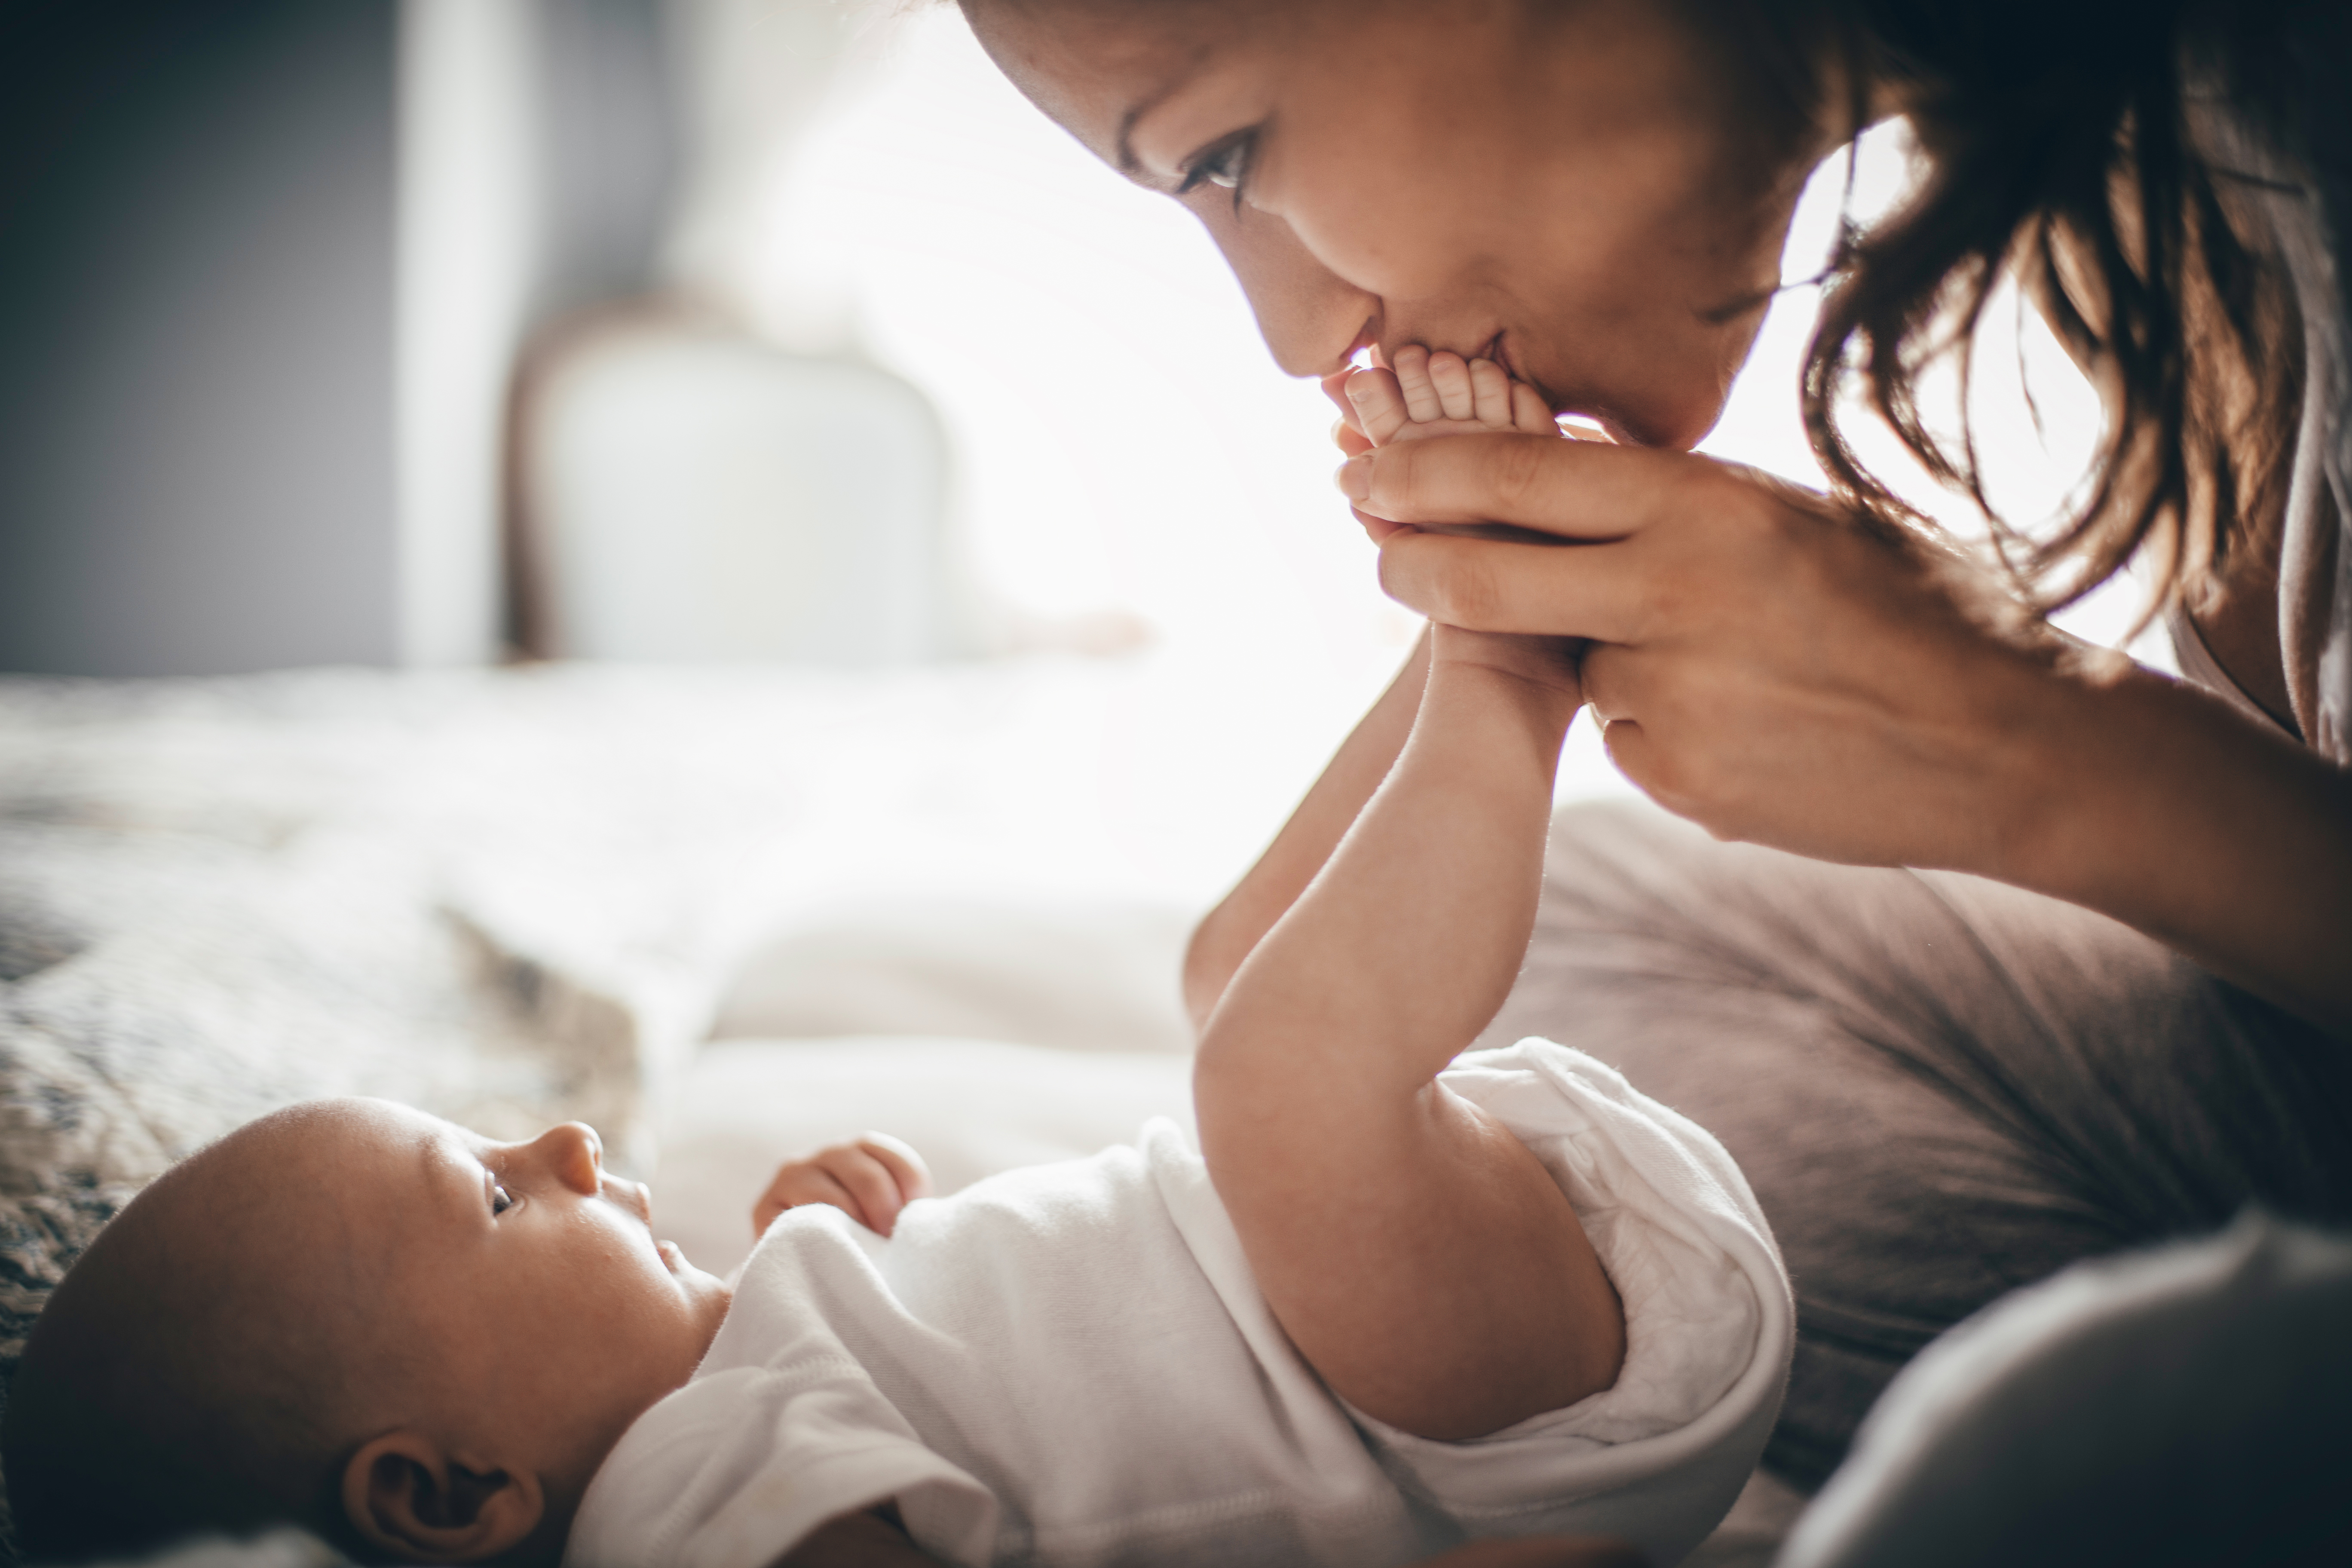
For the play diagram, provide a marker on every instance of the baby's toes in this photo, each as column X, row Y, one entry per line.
column 1380, row 406
column 1529, row 413
column 1490, row 394
column 1451, row 379
column 1411, row 364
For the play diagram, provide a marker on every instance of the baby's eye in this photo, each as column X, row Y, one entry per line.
column 500, row 1199
column 1225, row 165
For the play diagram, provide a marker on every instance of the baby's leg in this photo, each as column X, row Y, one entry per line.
column 1418, row 1254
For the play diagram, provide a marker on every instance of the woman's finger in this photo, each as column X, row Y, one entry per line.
column 1578, row 489
column 1633, row 754
column 1608, row 681
column 1616, row 687
column 1597, row 591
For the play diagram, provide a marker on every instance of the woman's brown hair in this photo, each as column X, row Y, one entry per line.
column 2063, row 149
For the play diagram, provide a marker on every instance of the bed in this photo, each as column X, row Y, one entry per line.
column 721, row 913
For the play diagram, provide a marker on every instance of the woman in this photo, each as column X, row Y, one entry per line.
column 2111, row 1010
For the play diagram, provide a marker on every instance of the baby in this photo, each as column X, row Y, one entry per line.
column 1394, row 1301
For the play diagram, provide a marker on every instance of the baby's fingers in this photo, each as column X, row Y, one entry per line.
column 881, row 1172
column 868, row 1181
column 898, row 1157
column 798, row 1184
column 871, row 1179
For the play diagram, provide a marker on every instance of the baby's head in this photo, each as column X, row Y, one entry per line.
column 358, row 1318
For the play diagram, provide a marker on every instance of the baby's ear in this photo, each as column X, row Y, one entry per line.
column 405, row 1494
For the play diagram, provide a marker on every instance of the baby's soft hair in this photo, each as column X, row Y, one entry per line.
column 167, row 1392
column 2063, row 149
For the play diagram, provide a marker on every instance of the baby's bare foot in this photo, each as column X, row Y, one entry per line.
column 1425, row 395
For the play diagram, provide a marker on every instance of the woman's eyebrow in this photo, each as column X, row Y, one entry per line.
column 1123, row 145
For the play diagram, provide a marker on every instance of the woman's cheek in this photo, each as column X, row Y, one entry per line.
column 1370, row 219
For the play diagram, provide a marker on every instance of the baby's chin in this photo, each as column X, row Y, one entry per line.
column 706, row 1289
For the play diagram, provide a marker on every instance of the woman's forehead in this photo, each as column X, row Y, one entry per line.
column 1095, row 65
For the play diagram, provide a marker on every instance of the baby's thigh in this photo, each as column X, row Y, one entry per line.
column 1940, row 1089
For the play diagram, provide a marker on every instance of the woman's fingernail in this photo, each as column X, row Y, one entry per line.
column 1356, row 476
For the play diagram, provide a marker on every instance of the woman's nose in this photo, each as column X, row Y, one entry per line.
column 1311, row 318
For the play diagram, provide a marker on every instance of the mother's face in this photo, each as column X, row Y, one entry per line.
column 1583, row 190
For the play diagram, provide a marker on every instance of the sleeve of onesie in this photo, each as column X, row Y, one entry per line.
column 1710, row 1323
column 736, row 1468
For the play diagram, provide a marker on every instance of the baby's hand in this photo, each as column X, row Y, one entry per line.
column 869, row 1178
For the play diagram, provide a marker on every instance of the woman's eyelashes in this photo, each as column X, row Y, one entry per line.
column 1224, row 163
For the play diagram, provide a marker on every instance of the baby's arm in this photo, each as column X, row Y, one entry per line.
column 1416, row 1253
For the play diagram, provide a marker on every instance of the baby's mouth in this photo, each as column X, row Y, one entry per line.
column 673, row 1255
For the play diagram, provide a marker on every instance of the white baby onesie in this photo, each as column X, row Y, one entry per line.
column 1071, row 1366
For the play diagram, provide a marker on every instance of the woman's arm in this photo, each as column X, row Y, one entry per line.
column 1227, row 934
column 1780, row 675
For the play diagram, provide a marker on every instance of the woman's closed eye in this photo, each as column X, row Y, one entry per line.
column 1224, row 163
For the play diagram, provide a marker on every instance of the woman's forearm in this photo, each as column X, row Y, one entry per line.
column 2162, row 807
column 1227, row 934
column 1778, row 676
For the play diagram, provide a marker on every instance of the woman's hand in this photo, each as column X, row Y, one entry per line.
column 870, row 1178
column 1762, row 667
column 1779, row 674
